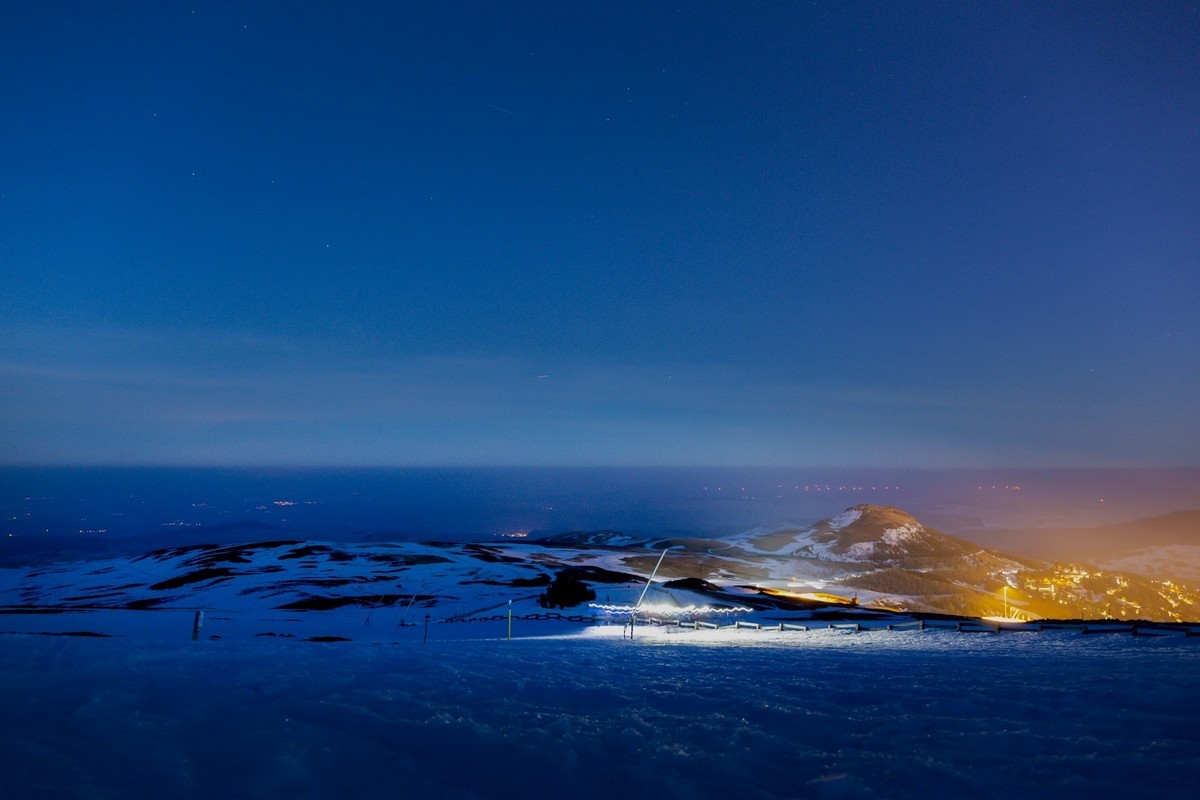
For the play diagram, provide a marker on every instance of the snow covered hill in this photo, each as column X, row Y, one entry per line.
column 1178, row 562
column 1099, row 544
column 863, row 533
column 866, row 557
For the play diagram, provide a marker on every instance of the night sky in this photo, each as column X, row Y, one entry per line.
column 897, row 234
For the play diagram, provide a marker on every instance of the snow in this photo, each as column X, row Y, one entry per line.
column 901, row 534
column 269, row 580
column 860, row 551
column 416, row 703
column 745, row 714
column 816, row 543
column 1180, row 562
column 845, row 519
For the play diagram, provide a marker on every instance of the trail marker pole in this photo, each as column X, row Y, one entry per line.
column 197, row 624
column 510, row 620
column 425, row 638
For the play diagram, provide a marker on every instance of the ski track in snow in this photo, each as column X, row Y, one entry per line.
column 821, row 714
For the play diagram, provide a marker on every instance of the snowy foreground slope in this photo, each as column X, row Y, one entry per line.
column 356, row 670
column 690, row 716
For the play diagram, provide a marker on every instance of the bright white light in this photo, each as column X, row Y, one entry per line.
column 667, row 611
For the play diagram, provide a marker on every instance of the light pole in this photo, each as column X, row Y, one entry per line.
column 650, row 580
column 646, row 588
column 1006, row 601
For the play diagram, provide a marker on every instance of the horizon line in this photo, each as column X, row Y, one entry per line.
column 299, row 467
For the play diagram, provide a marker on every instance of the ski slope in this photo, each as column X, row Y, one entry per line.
column 823, row 714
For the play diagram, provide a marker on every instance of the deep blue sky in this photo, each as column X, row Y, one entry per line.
column 583, row 233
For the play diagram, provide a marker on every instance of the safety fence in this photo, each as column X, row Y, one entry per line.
column 960, row 626
column 590, row 619
column 862, row 625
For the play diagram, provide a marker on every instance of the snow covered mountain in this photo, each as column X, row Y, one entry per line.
column 1163, row 547
column 894, row 561
column 868, row 557
column 863, row 533
column 1179, row 562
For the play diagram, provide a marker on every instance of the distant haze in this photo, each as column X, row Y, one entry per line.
column 137, row 509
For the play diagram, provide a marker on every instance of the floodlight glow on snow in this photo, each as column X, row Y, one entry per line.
column 663, row 610
column 820, row 597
